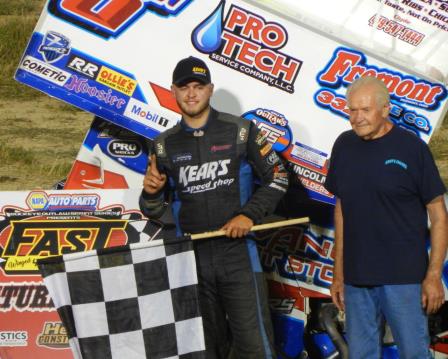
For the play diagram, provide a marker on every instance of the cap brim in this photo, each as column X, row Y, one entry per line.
column 187, row 79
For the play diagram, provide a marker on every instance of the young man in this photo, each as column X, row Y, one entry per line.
column 207, row 161
column 386, row 183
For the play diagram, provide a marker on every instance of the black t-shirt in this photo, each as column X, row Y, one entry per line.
column 384, row 185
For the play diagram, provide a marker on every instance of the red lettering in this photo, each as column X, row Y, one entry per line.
column 231, row 42
column 260, row 60
column 236, row 18
column 273, row 36
column 255, row 28
column 344, row 60
column 252, row 28
column 111, row 16
column 281, row 67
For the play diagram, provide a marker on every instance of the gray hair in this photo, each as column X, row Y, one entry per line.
column 382, row 93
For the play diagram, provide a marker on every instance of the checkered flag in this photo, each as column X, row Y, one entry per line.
column 136, row 301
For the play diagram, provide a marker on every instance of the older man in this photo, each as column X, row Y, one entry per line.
column 386, row 184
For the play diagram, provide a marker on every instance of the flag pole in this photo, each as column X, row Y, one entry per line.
column 258, row 227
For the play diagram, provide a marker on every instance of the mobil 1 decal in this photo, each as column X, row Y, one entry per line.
column 248, row 43
column 273, row 126
column 409, row 95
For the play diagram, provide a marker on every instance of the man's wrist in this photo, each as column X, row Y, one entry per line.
column 151, row 196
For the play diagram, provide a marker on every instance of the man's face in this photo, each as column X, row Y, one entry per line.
column 193, row 98
column 368, row 117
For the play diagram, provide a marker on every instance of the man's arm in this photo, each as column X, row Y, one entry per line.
column 337, row 286
column 432, row 289
column 274, row 184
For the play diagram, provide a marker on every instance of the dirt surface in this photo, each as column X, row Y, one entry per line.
column 39, row 141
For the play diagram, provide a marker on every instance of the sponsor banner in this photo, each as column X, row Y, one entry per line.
column 44, row 70
column 299, row 256
column 407, row 32
column 266, row 67
column 13, row 338
column 39, row 224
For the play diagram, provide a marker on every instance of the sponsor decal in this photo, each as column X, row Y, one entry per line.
column 261, row 138
column 45, row 71
column 265, row 149
column 273, row 127
column 58, row 202
column 347, row 65
column 208, row 173
column 53, row 336
column 183, row 157
column 248, row 43
column 311, row 179
column 117, row 81
column 277, row 187
column 273, row 158
column 160, row 149
column 85, row 67
column 54, row 46
column 218, row 148
column 282, row 305
column 393, row 161
column 395, row 29
column 26, row 241
column 303, row 171
column 56, row 224
column 304, row 255
column 124, row 148
column 108, row 18
column 309, row 155
column 25, row 297
column 243, row 134
column 13, row 338
column 81, row 86
column 144, row 114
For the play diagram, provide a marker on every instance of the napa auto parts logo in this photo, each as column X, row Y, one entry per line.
column 109, row 18
column 56, row 202
column 346, row 65
column 248, row 43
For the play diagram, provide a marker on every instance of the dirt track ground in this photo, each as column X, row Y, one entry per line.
column 39, row 140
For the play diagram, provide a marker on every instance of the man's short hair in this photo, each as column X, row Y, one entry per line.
column 382, row 93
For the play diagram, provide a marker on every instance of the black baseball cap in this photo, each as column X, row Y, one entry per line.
column 191, row 69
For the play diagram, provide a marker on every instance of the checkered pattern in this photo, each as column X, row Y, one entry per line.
column 136, row 301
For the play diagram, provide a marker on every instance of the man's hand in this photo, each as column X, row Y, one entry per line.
column 433, row 295
column 337, row 293
column 238, row 226
column 154, row 180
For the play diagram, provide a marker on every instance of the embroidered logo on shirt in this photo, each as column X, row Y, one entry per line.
column 216, row 148
column 182, row 157
column 393, row 161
